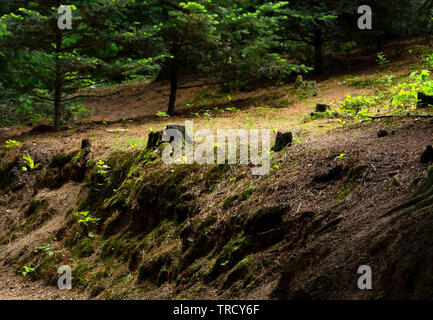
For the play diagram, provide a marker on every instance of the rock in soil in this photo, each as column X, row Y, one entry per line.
column 382, row 133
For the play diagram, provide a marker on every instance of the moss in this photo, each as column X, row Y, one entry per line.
column 47, row 269
column 120, row 165
column 127, row 177
column 251, row 286
column 229, row 256
column 240, row 270
column 79, row 278
column 350, row 183
column 84, row 249
column 119, row 247
column 76, row 157
column 247, row 193
column 346, row 190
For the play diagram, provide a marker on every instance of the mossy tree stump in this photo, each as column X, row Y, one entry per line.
column 155, row 139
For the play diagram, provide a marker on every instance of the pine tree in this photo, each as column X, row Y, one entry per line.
column 232, row 41
column 50, row 65
column 186, row 32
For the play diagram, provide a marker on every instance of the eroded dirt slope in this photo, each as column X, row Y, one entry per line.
column 216, row 231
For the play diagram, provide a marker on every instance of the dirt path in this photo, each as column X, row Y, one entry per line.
column 16, row 287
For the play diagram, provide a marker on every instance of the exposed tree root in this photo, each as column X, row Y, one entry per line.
column 422, row 198
column 402, row 116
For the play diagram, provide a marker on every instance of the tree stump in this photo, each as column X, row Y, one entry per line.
column 320, row 107
column 299, row 83
column 154, row 140
column 282, row 140
column 86, row 146
column 427, row 155
column 310, row 87
column 424, row 101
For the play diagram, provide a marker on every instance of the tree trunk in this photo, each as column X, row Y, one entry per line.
column 318, row 50
column 59, row 84
column 379, row 44
column 173, row 87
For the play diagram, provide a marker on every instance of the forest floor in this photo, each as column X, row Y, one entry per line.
column 121, row 123
column 15, row 287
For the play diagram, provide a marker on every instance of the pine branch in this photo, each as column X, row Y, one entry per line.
column 92, row 96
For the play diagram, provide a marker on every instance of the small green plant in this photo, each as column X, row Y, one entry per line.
column 406, row 93
column 48, row 248
column 341, row 156
column 11, row 144
column 132, row 144
column 29, row 163
column 162, row 114
column 26, row 270
column 328, row 114
column 219, row 110
column 356, row 107
column 232, row 109
column 381, row 59
column 207, row 114
column 85, row 217
column 103, row 169
column 428, row 61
